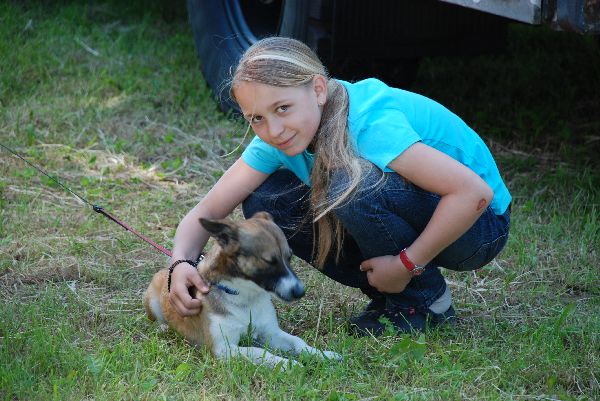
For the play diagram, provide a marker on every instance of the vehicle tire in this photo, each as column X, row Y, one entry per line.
column 354, row 39
column 224, row 29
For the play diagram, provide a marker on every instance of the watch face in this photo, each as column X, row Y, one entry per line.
column 418, row 270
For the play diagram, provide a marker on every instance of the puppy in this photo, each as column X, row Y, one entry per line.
column 249, row 263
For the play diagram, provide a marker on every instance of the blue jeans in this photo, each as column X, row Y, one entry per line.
column 385, row 216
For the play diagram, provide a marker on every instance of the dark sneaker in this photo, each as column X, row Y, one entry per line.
column 439, row 319
column 373, row 310
column 400, row 320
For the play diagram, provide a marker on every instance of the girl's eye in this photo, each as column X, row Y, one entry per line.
column 283, row 108
column 255, row 119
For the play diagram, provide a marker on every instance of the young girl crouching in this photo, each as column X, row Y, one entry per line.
column 377, row 187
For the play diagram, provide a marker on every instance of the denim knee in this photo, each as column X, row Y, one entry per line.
column 388, row 213
column 479, row 245
column 282, row 194
column 367, row 215
column 363, row 196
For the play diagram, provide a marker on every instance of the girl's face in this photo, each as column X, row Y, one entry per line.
column 286, row 118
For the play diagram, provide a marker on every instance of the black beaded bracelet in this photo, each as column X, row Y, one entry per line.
column 172, row 267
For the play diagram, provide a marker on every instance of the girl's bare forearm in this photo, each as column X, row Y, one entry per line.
column 454, row 215
column 190, row 237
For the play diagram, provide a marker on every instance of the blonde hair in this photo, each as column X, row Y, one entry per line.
column 286, row 62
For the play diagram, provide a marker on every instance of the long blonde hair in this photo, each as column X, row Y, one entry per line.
column 286, row 62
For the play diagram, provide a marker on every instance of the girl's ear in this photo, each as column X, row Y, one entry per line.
column 320, row 88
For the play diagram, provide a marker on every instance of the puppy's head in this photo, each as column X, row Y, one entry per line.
column 256, row 250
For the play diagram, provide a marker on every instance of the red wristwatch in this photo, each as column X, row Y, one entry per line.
column 410, row 266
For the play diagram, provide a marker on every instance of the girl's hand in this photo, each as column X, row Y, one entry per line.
column 183, row 277
column 386, row 273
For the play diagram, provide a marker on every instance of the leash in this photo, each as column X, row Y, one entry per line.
column 95, row 208
column 100, row 210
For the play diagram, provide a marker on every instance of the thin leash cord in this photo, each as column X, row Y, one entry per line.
column 99, row 209
column 96, row 208
column 46, row 174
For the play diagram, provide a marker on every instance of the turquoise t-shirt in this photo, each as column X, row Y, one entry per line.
column 382, row 123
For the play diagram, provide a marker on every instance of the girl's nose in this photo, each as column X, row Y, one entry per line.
column 275, row 128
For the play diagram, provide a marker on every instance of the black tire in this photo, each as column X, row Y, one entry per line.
column 224, row 29
column 355, row 39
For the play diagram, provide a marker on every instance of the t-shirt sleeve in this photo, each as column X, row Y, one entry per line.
column 262, row 157
column 383, row 135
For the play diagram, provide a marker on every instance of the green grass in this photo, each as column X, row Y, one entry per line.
column 108, row 97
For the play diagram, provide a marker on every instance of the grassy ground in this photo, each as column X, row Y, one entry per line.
column 109, row 98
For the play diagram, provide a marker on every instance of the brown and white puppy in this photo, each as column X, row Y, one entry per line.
column 251, row 257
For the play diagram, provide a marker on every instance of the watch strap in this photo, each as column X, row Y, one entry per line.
column 410, row 266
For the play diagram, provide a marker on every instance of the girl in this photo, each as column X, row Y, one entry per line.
column 375, row 186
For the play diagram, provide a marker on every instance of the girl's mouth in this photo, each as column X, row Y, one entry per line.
column 286, row 143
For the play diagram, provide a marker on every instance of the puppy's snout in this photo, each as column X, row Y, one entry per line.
column 298, row 290
column 290, row 288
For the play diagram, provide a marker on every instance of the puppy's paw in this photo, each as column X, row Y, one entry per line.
column 332, row 355
column 163, row 327
column 279, row 363
column 292, row 363
column 315, row 352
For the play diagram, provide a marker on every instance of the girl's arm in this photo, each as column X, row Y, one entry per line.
column 190, row 238
column 465, row 196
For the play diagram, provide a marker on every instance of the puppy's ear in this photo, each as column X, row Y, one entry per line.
column 263, row 215
column 223, row 231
